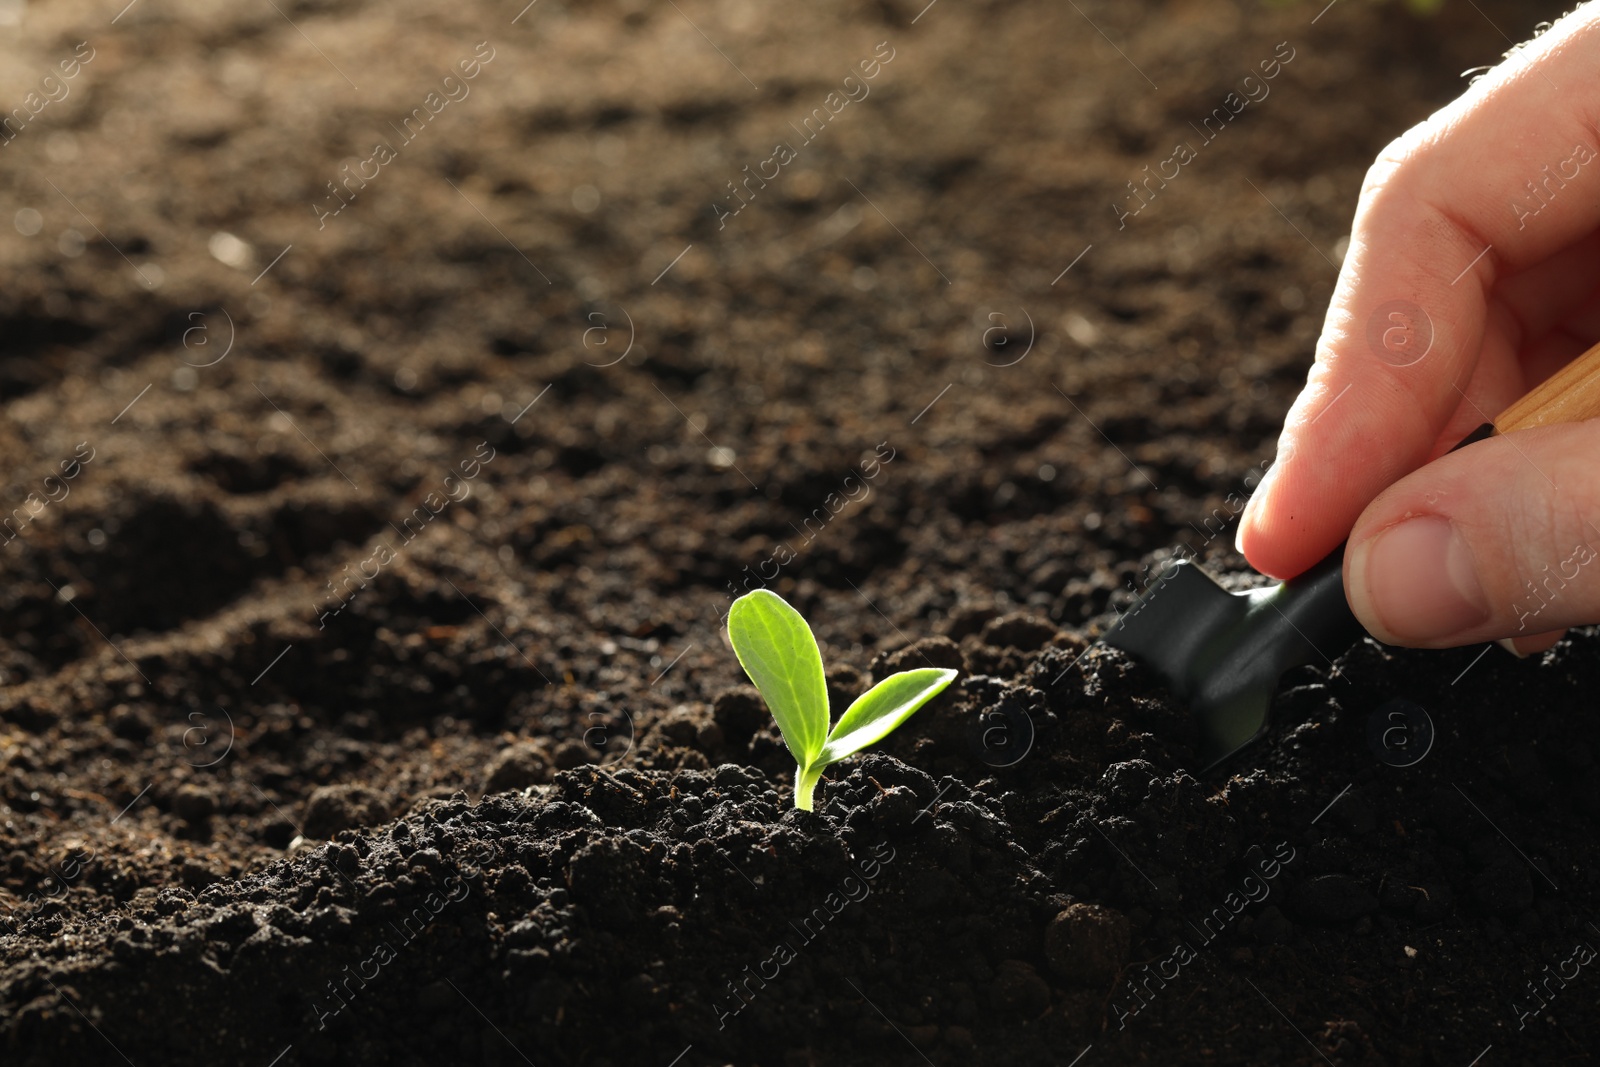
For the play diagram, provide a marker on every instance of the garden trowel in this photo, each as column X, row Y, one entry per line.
column 1222, row 653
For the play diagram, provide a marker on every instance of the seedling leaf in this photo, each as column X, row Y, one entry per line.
column 876, row 713
column 777, row 650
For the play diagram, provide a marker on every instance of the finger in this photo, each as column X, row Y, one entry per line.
column 1549, row 355
column 1584, row 323
column 1547, row 294
column 1544, row 306
column 1502, row 375
column 1497, row 379
column 1523, row 647
column 1433, row 234
column 1497, row 540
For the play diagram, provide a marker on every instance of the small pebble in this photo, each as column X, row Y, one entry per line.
column 1027, row 633
column 1018, row 989
column 332, row 808
column 516, row 767
column 1087, row 943
column 193, row 804
column 895, row 809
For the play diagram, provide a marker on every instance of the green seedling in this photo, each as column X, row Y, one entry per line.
column 777, row 650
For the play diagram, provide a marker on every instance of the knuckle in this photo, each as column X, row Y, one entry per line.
column 1397, row 159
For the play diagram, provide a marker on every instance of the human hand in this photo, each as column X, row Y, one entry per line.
column 1473, row 274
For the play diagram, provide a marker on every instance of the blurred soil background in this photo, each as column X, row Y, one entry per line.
column 372, row 560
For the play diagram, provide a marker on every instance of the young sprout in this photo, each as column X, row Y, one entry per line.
column 777, row 650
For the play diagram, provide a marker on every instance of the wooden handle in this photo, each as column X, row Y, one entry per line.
column 1571, row 394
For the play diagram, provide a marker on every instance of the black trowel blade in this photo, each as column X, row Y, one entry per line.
column 1222, row 653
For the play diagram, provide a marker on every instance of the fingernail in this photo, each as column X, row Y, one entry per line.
column 1250, row 506
column 1510, row 645
column 1419, row 581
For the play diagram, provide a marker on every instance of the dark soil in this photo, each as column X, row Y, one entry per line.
column 356, row 711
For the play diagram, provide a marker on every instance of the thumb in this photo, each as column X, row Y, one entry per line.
column 1497, row 540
